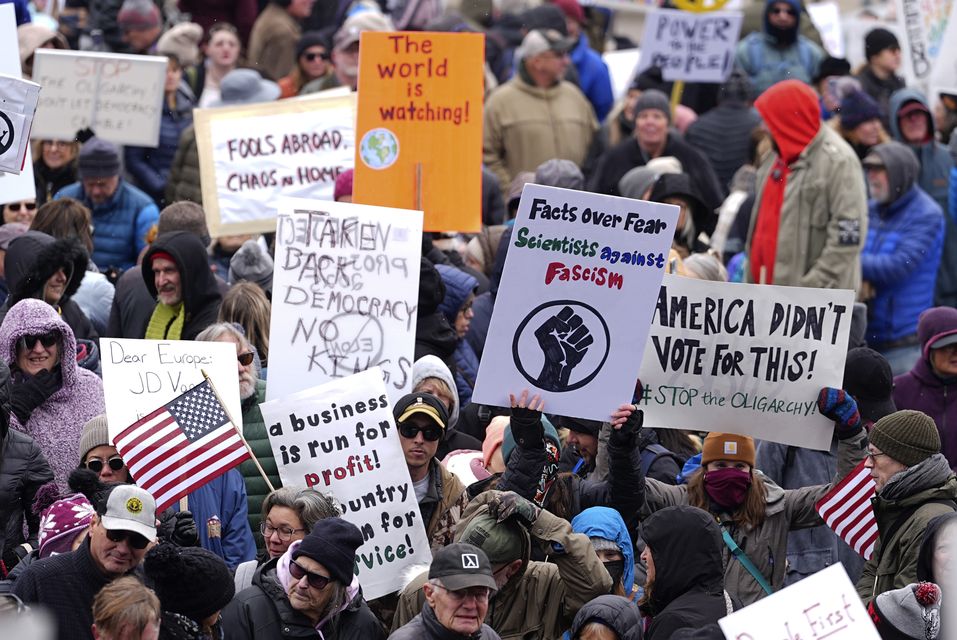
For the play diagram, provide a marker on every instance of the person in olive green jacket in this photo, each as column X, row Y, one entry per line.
column 915, row 484
column 252, row 392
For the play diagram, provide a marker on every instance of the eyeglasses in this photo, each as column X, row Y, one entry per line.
column 409, row 431
column 479, row 593
column 315, row 580
column 245, row 359
column 285, row 533
column 27, row 206
column 96, row 465
column 46, row 339
column 135, row 540
column 311, row 57
column 872, row 456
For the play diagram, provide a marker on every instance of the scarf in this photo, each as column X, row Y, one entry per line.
column 166, row 323
column 764, row 243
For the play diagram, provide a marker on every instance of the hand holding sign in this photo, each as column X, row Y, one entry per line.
column 564, row 339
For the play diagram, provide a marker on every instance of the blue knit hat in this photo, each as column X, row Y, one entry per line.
column 857, row 108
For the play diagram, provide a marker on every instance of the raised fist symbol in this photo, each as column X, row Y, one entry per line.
column 564, row 340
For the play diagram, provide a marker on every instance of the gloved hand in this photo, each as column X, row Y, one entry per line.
column 526, row 421
column 31, row 392
column 511, row 505
column 627, row 434
column 839, row 406
column 179, row 528
column 14, row 555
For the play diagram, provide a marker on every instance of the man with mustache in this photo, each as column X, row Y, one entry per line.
column 177, row 274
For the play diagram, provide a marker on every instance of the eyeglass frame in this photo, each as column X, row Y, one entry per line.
column 409, row 431
column 309, row 576
column 284, row 535
column 460, row 595
column 15, row 206
column 136, row 540
column 52, row 336
column 249, row 356
column 109, row 461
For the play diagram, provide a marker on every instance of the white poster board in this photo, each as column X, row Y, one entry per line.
column 745, row 358
column 252, row 155
column 345, row 294
column 141, row 375
column 826, row 16
column 119, row 96
column 13, row 188
column 340, row 439
column 923, row 24
column 824, row 605
column 694, row 47
column 578, row 290
column 18, row 103
column 621, row 69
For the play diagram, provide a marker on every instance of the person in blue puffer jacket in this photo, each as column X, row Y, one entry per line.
column 901, row 255
column 150, row 166
column 457, row 308
column 122, row 214
column 946, row 292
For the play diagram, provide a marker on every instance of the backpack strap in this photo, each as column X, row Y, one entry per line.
column 745, row 561
column 650, row 455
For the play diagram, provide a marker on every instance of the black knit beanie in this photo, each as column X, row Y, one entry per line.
column 908, row 436
column 332, row 543
column 188, row 580
column 877, row 40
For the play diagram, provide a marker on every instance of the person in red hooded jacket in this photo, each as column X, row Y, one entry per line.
column 809, row 219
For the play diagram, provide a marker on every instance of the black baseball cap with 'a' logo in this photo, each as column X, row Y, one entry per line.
column 460, row 566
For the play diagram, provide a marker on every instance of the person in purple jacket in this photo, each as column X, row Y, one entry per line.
column 931, row 386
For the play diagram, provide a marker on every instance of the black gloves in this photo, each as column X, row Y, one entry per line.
column 32, row 392
column 511, row 505
column 527, row 428
column 179, row 528
column 627, row 435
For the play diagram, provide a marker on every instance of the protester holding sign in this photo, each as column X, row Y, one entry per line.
column 755, row 513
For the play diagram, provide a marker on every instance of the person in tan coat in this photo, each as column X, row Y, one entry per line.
column 537, row 116
column 275, row 34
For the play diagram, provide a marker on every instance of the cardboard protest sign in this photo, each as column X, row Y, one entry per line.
column 419, row 131
column 695, row 47
column 345, row 294
column 744, row 358
column 140, row 375
column 340, row 439
column 13, row 187
column 252, row 155
column 18, row 103
column 824, row 605
column 576, row 299
column 119, row 96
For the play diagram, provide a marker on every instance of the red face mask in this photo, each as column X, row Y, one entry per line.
column 727, row 487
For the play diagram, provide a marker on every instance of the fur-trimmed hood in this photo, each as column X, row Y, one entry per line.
column 35, row 256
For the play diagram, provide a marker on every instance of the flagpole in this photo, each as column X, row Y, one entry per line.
column 239, row 430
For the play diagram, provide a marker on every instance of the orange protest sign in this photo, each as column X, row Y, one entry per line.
column 419, row 129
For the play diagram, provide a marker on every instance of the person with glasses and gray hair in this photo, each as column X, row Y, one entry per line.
column 288, row 515
column 309, row 591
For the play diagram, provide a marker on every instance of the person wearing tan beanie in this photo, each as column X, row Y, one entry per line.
column 755, row 515
column 914, row 484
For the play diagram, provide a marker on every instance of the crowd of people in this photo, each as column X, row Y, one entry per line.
column 798, row 170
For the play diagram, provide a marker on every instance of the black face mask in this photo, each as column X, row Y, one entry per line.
column 616, row 569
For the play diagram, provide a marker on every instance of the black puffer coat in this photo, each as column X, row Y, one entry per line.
column 688, row 587
column 23, row 470
column 619, row 614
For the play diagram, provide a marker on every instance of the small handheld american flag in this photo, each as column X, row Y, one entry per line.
column 847, row 510
column 181, row 446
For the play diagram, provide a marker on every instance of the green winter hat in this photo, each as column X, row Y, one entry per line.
column 501, row 541
column 910, row 437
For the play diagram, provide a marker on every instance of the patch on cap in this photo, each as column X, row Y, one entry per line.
column 134, row 505
column 470, row 561
column 731, row 448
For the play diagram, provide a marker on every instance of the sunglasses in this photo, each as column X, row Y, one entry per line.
column 46, row 339
column 245, row 359
column 311, row 57
column 96, row 465
column 135, row 540
column 28, row 206
column 315, row 580
column 429, row 433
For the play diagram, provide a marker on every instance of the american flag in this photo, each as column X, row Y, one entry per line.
column 848, row 512
column 181, row 446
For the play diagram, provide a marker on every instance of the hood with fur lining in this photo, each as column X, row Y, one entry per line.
column 35, row 256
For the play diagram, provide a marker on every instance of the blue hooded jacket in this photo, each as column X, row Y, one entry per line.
column 604, row 522
column 935, row 160
column 458, row 286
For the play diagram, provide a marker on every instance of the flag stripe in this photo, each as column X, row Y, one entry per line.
column 185, row 455
column 188, row 476
column 137, row 426
column 237, row 456
column 848, row 511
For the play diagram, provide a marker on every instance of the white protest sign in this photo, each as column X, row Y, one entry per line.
column 340, row 439
column 824, row 605
column 745, row 358
column 621, row 69
column 695, row 47
column 13, row 187
column 345, row 294
column 826, row 16
column 18, row 103
column 141, row 375
column 252, row 155
column 119, row 96
column 923, row 23
column 572, row 313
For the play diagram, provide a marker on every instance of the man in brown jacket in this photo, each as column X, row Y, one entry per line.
column 537, row 116
column 535, row 600
column 272, row 43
